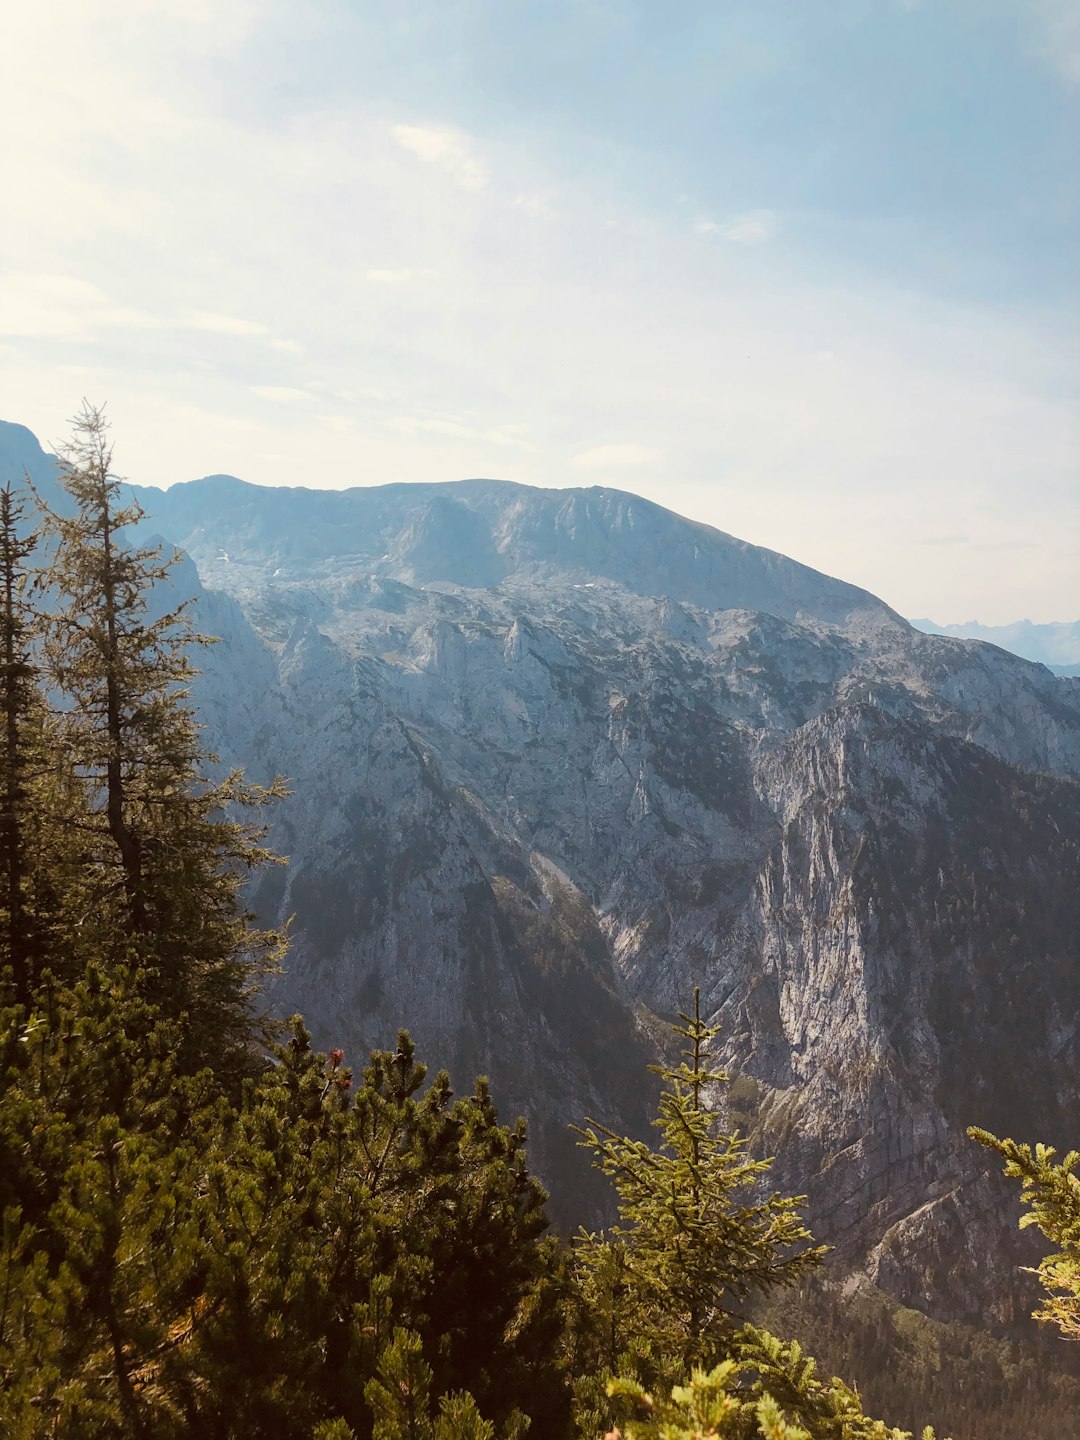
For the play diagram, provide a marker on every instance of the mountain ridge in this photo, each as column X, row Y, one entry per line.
column 476, row 533
column 529, row 815
column 1055, row 644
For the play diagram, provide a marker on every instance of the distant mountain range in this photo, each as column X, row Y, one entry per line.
column 557, row 756
column 1054, row 645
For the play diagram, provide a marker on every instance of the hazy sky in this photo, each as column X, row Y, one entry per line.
column 804, row 269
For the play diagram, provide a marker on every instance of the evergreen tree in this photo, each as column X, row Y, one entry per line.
column 695, row 1236
column 718, row 1403
column 101, row 1141
column 709, row 1405
column 400, row 1400
column 174, row 1264
column 28, row 758
column 181, row 1255
column 661, row 1290
column 162, row 858
column 1051, row 1191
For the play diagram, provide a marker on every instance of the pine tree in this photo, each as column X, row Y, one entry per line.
column 181, row 1255
column 28, row 761
column 102, row 1145
column 709, row 1405
column 162, row 858
column 737, row 1400
column 401, row 1401
column 719, row 1403
column 177, row 1264
column 694, row 1238
column 461, row 1239
column 1051, row 1191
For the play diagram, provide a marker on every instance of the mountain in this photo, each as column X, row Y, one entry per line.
column 557, row 756
column 1055, row 645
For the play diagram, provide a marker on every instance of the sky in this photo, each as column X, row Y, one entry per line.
column 806, row 270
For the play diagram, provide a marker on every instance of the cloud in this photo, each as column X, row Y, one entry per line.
column 282, row 394
column 224, row 324
column 228, row 193
column 505, row 436
column 535, row 204
column 1056, row 34
column 752, row 227
column 62, row 307
column 450, row 428
column 510, row 435
column 193, row 27
column 448, row 149
column 418, row 425
column 614, row 457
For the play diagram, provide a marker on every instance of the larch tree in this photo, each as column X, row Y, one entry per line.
column 31, row 784
column 19, row 694
column 163, row 854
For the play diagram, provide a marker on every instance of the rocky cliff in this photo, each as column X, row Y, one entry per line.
column 558, row 756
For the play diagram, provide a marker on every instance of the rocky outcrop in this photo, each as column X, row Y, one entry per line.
column 557, row 757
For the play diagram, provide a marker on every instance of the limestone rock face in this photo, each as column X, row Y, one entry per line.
column 556, row 757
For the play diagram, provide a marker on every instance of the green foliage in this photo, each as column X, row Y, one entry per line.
column 829, row 1409
column 911, row 1368
column 98, row 1141
column 160, row 854
column 1052, row 1194
column 175, row 1263
column 770, row 1391
column 400, row 1400
column 695, row 1235
column 196, row 1239
column 201, row 1238
column 34, row 808
column 400, row 1394
column 719, row 1403
column 709, row 1405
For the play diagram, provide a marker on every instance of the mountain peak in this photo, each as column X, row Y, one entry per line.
column 21, row 453
column 479, row 534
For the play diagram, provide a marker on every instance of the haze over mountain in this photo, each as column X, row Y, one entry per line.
column 1054, row 645
column 557, row 756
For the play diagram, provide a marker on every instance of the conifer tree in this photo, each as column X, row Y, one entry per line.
column 709, row 1405
column 38, row 799
column 172, row 1264
column 401, row 1401
column 101, row 1148
column 162, row 857
column 719, row 1403
column 694, row 1236
column 27, row 763
column 1051, row 1191
column 180, row 1256
column 661, row 1291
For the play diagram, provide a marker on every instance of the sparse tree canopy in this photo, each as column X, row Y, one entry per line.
column 162, row 854
column 27, row 754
